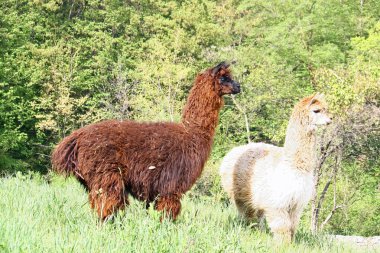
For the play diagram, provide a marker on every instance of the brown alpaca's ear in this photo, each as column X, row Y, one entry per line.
column 220, row 66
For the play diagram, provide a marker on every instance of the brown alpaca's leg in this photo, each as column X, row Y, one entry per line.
column 170, row 205
column 108, row 195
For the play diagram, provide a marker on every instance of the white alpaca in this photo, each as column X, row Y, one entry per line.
column 277, row 182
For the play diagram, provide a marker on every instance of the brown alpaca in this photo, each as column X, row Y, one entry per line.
column 151, row 161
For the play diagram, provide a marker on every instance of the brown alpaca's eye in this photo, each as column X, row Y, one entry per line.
column 317, row 111
column 224, row 79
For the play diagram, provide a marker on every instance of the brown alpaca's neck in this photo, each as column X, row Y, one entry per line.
column 201, row 111
column 300, row 145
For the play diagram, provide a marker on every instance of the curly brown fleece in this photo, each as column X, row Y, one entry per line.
column 150, row 161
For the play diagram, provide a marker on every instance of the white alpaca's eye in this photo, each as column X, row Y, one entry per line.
column 317, row 111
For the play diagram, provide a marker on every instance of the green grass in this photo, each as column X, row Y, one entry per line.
column 39, row 215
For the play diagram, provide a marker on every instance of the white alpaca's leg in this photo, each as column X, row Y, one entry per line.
column 295, row 216
column 246, row 211
column 280, row 225
column 262, row 223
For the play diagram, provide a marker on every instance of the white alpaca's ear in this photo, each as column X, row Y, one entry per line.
column 316, row 97
column 320, row 96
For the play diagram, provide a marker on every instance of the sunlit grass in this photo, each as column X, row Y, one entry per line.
column 39, row 215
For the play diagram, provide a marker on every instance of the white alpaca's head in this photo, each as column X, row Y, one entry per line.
column 318, row 111
column 312, row 112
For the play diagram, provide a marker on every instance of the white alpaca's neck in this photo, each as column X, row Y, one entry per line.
column 300, row 145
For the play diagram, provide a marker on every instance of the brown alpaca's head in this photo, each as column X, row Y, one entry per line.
column 313, row 111
column 223, row 82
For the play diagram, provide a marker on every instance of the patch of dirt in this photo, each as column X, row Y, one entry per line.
column 369, row 242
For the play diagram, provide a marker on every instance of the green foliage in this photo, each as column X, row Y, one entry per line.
column 68, row 63
column 360, row 213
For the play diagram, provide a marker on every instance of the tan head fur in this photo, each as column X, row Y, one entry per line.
column 312, row 111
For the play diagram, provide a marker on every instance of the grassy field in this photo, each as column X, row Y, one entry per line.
column 39, row 215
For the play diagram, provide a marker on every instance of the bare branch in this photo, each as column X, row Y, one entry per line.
column 328, row 218
column 245, row 118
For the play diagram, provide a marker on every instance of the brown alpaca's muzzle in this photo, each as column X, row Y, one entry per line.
column 235, row 87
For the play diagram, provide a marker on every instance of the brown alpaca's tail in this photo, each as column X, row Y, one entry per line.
column 64, row 158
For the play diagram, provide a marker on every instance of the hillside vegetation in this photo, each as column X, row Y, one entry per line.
column 68, row 63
